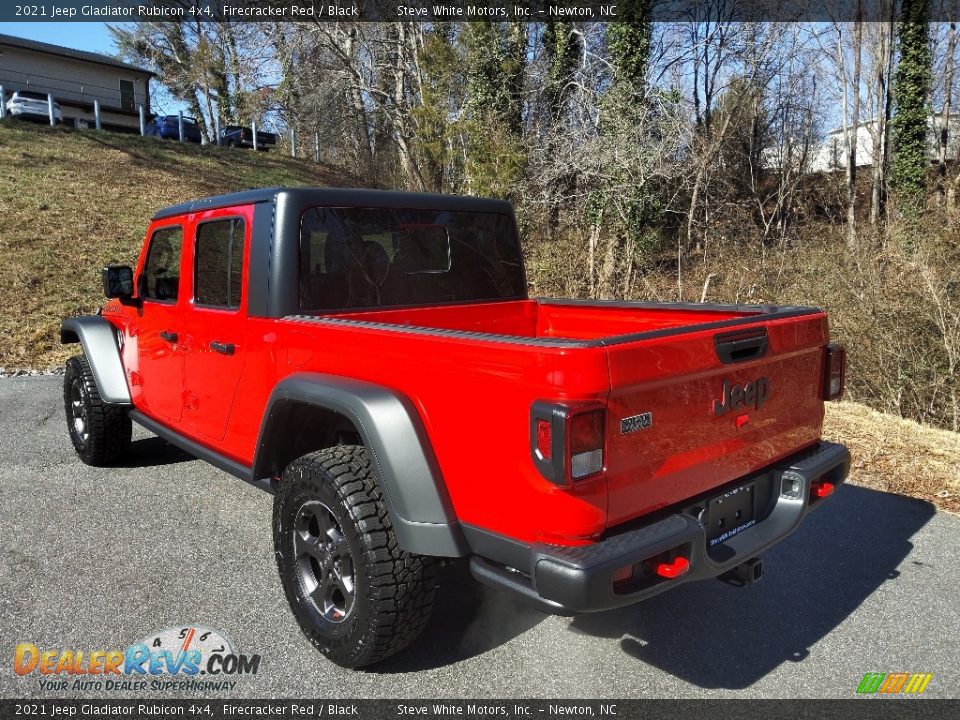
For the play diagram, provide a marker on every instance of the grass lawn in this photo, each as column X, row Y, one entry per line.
column 71, row 202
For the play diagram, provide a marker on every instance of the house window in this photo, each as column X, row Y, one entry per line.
column 127, row 96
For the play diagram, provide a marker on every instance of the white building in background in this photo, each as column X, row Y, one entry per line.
column 76, row 78
column 832, row 155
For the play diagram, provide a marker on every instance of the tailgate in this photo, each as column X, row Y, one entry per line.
column 721, row 406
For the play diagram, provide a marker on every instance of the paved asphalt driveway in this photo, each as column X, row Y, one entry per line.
column 95, row 559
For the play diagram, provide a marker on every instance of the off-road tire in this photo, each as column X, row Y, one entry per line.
column 104, row 437
column 393, row 590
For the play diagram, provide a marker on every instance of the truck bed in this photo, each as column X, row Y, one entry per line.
column 570, row 322
column 636, row 358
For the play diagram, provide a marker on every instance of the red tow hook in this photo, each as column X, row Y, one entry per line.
column 674, row 569
column 822, row 489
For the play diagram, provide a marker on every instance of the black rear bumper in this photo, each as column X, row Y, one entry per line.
column 569, row 580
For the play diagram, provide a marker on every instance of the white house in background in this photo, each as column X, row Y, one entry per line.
column 831, row 154
column 76, row 78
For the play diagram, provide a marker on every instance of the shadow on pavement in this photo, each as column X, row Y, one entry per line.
column 717, row 636
column 469, row 619
column 154, row 451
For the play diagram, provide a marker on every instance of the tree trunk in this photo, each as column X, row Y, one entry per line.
column 204, row 69
column 944, row 134
column 953, row 190
column 592, row 257
column 608, row 273
column 364, row 139
column 402, row 128
column 234, row 104
column 853, row 133
column 881, row 159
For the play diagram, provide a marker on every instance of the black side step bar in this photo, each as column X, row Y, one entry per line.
column 199, row 451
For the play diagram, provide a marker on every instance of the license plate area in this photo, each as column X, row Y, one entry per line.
column 730, row 513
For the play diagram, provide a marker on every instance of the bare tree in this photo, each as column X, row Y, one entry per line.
column 880, row 52
column 943, row 131
column 215, row 68
column 851, row 116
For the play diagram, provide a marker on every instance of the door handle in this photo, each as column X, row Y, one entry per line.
column 222, row 348
column 170, row 337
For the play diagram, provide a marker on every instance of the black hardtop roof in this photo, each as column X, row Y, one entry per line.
column 340, row 197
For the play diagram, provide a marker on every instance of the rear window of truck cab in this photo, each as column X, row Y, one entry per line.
column 375, row 257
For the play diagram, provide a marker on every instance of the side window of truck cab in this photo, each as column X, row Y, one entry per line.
column 160, row 280
column 218, row 263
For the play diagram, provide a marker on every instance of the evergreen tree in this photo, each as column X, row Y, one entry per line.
column 912, row 83
column 628, row 43
column 492, row 113
column 631, row 218
column 561, row 48
column 440, row 71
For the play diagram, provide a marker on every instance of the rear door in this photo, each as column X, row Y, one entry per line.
column 215, row 321
column 689, row 412
column 157, row 382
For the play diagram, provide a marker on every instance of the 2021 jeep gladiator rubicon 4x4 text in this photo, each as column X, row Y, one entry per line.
column 372, row 358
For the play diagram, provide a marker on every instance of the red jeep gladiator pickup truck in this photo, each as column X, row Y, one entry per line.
column 372, row 358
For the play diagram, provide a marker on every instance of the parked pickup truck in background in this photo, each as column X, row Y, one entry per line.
column 235, row 136
column 372, row 358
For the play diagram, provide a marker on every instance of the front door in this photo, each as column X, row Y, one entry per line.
column 214, row 352
column 158, row 382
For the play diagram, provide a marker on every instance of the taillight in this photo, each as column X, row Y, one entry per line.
column 544, row 439
column 567, row 441
column 586, row 444
column 834, row 372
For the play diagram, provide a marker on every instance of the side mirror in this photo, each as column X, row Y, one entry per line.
column 118, row 281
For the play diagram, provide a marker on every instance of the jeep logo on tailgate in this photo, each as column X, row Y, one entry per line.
column 754, row 393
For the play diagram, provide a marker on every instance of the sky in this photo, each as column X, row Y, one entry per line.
column 89, row 36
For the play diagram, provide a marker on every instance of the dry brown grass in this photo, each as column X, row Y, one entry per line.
column 70, row 202
column 897, row 455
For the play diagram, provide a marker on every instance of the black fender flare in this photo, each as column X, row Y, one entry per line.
column 99, row 341
column 400, row 451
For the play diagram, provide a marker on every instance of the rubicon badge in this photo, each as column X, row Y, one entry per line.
column 636, row 422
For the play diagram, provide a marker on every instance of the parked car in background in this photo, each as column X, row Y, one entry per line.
column 28, row 105
column 167, row 127
column 236, row 136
